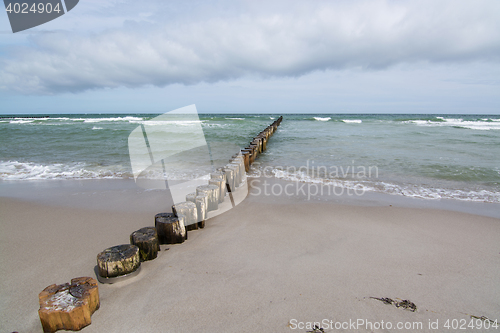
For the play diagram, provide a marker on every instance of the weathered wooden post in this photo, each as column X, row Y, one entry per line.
column 255, row 149
column 221, row 184
column 256, row 141
column 229, row 177
column 264, row 142
column 146, row 239
column 190, row 212
column 221, row 170
column 246, row 159
column 191, row 197
column 118, row 261
column 218, row 178
column 241, row 161
column 236, row 173
column 201, row 202
column 212, row 193
column 68, row 306
column 170, row 228
column 238, row 162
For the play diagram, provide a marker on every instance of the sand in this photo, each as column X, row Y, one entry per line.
column 268, row 265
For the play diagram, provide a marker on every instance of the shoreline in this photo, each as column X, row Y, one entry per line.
column 257, row 267
column 125, row 195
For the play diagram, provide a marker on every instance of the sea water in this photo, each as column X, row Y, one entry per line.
column 425, row 156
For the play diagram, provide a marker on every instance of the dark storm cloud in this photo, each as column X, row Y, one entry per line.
column 281, row 40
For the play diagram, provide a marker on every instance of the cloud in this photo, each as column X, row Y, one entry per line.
column 286, row 39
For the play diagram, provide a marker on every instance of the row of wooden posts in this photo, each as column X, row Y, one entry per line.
column 70, row 306
column 172, row 228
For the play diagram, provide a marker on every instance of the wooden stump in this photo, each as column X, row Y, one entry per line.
column 191, row 197
column 188, row 209
column 68, row 306
column 240, row 162
column 218, row 174
column 255, row 152
column 170, row 228
column 246, row 159
column 237, row 174
column 202, row 205
column 146, row 239
column 212, row 193
column 230, row 177
column 264, row 142
column 221, row 184
column 118, row 260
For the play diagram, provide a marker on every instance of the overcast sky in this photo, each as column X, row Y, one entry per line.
column 422, row 56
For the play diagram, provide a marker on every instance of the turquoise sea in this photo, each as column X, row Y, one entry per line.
column 424, row 156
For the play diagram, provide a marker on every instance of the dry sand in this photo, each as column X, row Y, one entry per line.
column 264, row 266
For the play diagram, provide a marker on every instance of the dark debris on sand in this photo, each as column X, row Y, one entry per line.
column 316, row 329
column 404, row 304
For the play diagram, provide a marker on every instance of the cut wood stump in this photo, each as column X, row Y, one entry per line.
column 188, row 209
column 201, row 205
column 170, row 228
column 221, row 184
column 236, row 174
column 118, row 260
column 230, row 177
column 217, row 176
column 146, row 239
column 212, row 193
column 191, row 197
column 68, row 306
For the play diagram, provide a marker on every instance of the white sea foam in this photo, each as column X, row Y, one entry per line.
column 21, row 121
column 481, row 125
column 97, row 128
column 322, row 119
column 168, row 122
column 236, row 118
column 98, row 120
column 352, row 121
column 408, row 190
column 14, row 170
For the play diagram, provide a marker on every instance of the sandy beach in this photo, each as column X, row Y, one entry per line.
column 270, row 264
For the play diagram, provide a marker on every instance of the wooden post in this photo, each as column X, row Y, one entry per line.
column 254, row 148
column 201, row 202
column 201, row 205
column 219, row 176
column 256, row 141
column 221, row 170
column 191, row 197
column 146, row 239
column 221, row 184
column 246, row 159
column 230, row 177
column 190, row 212
column 241, row 162
column 264, row 142
column 170, row 228
column 240, row 167
column 118, row 260
column 212, row 193
column 68, row 306
column 236, row 169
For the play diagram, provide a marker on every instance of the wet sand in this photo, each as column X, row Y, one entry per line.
column 269, row 264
